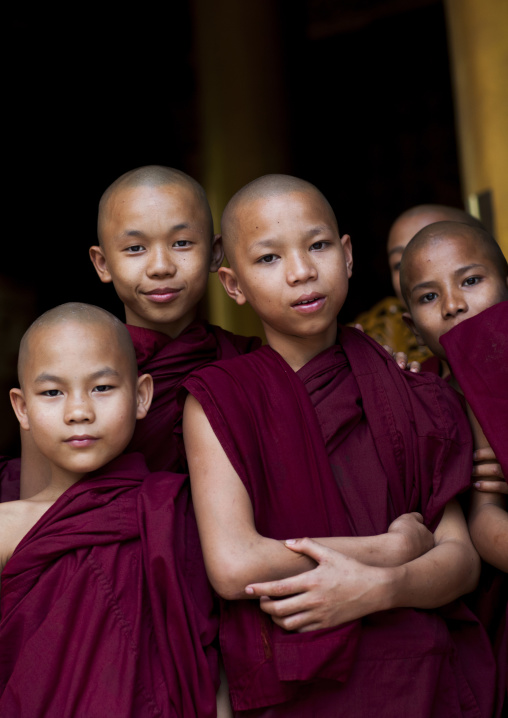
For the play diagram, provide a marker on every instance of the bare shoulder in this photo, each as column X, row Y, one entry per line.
column 16, row 520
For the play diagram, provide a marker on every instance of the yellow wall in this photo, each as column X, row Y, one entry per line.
column 478, row 32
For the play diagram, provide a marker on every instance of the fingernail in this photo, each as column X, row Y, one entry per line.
column 477, row 484
column 249, row 590
column 290, row 542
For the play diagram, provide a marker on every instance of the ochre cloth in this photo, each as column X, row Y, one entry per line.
column 158, row 435
column 343, row 448
column 9, row 478
column 383, row 322
column 95, row 617
column 477, row 352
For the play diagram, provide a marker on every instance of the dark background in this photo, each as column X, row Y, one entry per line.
column 370, row 122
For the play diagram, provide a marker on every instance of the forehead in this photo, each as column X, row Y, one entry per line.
column 139, row 205
column 444, row 255
column 271, row 213
column 74, row 346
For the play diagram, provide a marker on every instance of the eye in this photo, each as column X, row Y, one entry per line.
column 182, row 243
column 267, row 259
column 426, row 298
column 471, row 281
column 102, row 388
column 51, row 392
column 320, row 245
column 135, row 249
column 396, row 267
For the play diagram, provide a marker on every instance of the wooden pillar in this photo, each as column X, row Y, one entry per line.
column 479, row 58
column 242, row 115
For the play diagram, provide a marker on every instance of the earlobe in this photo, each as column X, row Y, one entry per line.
column 19, row 405
column 230, row 283
column 217, row 253
column 345, row 240
column 99, row 262
column 408, row 321
column 145, row 395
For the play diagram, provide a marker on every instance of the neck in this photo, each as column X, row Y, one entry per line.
column 298, row 351
column 59, row 482
column 171, row 329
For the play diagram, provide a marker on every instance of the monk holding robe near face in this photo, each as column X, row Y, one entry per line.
column 320, row 434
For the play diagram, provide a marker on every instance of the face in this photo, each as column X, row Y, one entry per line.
column 450, row 280
column 80, row 399
column 157, row 251
column 401, row 233
column 292, row 267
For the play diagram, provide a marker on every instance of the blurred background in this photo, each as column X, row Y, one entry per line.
column 383, row 104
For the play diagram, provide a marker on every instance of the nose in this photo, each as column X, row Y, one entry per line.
column 454, row 302
column 79, row 409
column 300, row 268
column 161, row 264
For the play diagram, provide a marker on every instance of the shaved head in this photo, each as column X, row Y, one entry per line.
column 445, row 231
column 430, row 213
column 86, row 314
column 263, row 188
column 151, row 176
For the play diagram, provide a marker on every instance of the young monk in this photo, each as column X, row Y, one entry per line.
column 95, row 616
column 384, row 322
column 455, row 281
column 320, row 434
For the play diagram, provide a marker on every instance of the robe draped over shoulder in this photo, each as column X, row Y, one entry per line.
column 342, row 448
column 95, row 613
column 477, row 351
column 168, row 360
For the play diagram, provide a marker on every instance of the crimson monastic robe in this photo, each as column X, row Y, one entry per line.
column 343, row 447
column 477, row 352
column 95, row 613
column 169, row 361
column 9, row 478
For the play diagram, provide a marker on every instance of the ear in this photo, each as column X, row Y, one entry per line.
column 100, row 264
column 145, row 395
column 19, row 405
column 230, row 283
column 408, row 321
column 345, row 240
column 217, row 252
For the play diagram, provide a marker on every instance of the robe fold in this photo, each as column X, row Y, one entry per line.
column 342, row 448
column 95, row 618
column 477, row 352
column 169, row 361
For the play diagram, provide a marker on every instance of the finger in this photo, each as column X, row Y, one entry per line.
column 486, row 454
column 359, row 327
column 310, row 548
column 389, row 349
column 401, row 359
column 301, row 622
column 415, row 367
column 492, row 487
column 488, row 470
column 285, row 606
column 284, row 587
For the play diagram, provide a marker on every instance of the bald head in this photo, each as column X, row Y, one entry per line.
column 151, row 176
column 78, row 313
column 264, row 188
column 440, row 232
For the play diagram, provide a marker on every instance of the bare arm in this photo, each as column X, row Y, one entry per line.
column 341, row 589
column 488, row 525
column 235, row 553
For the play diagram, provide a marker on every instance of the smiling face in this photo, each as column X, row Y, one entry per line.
column 447, row 280
column 290, row 264
column 80, row 397
column 157, row 249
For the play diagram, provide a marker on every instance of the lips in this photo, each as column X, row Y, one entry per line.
column 81, row 441
column 308, row 303
column 162, row 294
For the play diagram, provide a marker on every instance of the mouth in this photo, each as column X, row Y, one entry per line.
column 81, row 441
column 162, row 294
column 308, row 303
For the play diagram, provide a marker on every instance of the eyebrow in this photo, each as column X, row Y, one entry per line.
column 107, row 371
column 396, row 249
column 274, row 241
column 139, row 234
column 457, row 273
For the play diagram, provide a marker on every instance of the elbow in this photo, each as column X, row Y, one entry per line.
column 229, row 578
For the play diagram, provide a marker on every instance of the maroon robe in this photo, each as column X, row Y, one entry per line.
column 169, row 361
column 343, row 448
column 477, row 352
column 95, row 617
